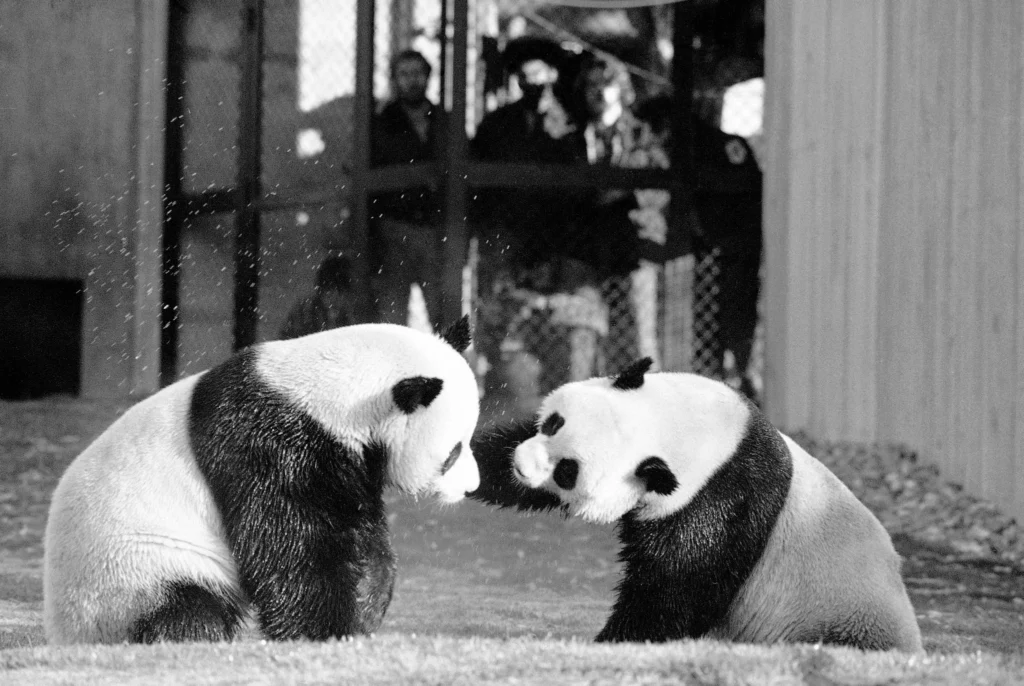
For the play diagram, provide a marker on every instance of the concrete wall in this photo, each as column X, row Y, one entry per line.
column 80, row 170
column 894, row 228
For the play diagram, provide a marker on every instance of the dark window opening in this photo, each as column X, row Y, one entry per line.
column 40, row 338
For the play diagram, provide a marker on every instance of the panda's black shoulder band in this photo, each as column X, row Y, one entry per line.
column 632, row 377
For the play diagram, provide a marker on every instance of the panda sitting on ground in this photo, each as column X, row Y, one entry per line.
column 728, row 528
column 258, row 484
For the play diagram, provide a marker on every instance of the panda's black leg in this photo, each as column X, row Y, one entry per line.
column 376, row 588
column 340, row 585
column 493, row 450
column 189, row 612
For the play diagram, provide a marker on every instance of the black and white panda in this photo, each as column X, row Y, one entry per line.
column 257, row 485
column 728, row 528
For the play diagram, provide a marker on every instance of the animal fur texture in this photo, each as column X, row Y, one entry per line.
column 728, row 528
column 257, row 487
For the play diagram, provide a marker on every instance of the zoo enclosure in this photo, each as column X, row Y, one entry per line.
column 268, row 163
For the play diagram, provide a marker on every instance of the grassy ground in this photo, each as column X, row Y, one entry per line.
column 482, row 596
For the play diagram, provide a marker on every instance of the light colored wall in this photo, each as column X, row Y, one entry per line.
column 894, row 227
column 80, row 170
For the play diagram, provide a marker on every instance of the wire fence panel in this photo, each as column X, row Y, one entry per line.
column 707, row 349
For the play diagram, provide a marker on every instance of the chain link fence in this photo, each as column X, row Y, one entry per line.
column 692, row 310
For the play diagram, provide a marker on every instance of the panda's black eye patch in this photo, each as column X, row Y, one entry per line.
column 552, row 424
column 452, row 457
column 415, row 392
column 566, row 472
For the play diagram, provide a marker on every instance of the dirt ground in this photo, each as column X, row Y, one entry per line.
column 471, row 570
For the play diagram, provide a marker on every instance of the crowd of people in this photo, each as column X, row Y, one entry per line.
column 561, row 271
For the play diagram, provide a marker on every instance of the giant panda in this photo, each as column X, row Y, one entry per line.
column 257, row 487
column 728, row 529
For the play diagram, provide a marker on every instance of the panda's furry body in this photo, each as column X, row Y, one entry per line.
column 257, row 486
column 728, row 529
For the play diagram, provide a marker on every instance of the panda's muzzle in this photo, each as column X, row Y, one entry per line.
column 565, row 474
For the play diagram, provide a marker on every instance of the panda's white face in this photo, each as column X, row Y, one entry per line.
column 606, row 452
column 429, row 443
column 412, row 393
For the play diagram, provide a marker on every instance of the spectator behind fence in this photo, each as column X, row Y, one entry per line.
column 334, row 302
column 536, row 292
column 730, row 231
column 527, row 223
column 727, row 241
column 605, row 230
column 404, row 225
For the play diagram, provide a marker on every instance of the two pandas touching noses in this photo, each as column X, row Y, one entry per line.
column 255, row 490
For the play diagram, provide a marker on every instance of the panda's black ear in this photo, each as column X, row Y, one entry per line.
column 458, row 335
column 415, row 392
column 657, row 476
column 632, row 377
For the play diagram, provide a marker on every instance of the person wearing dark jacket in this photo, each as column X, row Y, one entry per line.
column 729, row 244
column 404, row 236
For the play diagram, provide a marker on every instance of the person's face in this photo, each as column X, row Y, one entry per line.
column 600, row 96
column 534, row 77
column 411, row 81
column 537, row 73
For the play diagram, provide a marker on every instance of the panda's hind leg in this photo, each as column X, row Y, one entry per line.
column 190, row 612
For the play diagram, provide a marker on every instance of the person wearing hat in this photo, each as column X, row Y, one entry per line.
column 527, row 253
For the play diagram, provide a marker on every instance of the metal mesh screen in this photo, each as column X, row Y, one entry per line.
column 707, row 349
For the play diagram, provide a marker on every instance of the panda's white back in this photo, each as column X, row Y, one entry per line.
column 208, row 499
column 828, row 566
column 168, row 522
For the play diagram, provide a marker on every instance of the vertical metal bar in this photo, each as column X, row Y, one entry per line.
column 174, row 205
column 247, row 220
column 444, row 87
column 682, row 85
column 681, row 152
column 454, row 161
column 360, row 162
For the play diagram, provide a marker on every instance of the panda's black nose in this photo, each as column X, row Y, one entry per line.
column 566, row 472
